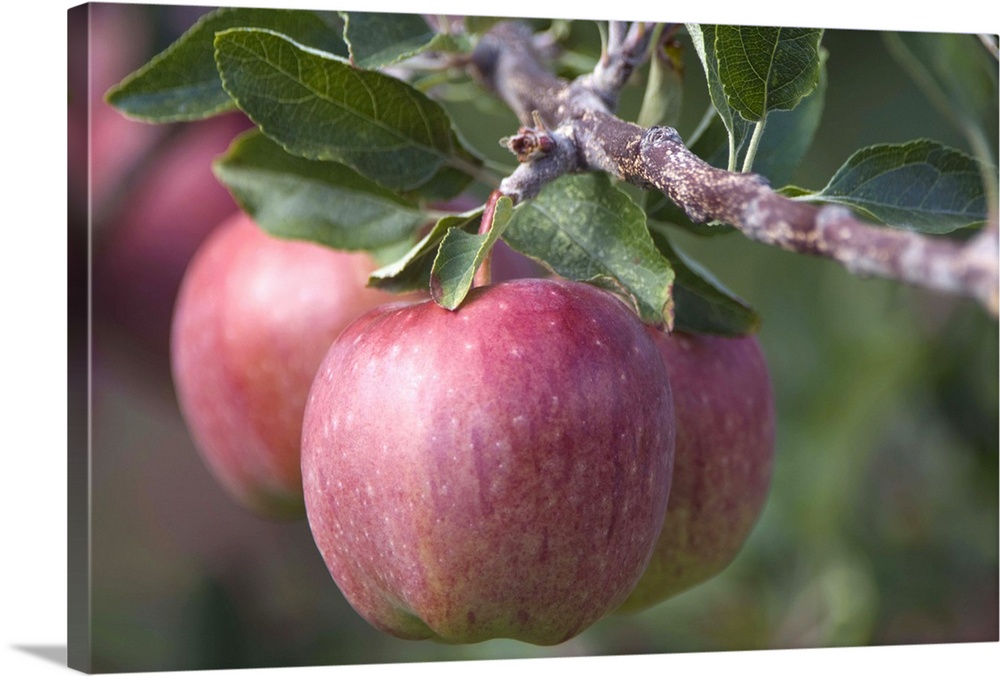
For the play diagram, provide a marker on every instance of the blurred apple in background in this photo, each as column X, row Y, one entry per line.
column 253, row 320
column 146, row 244
column 723, row 461
column 144, row 194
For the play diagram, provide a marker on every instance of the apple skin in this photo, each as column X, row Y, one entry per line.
column 254, row 317
column 497, row 471
column 723, row 460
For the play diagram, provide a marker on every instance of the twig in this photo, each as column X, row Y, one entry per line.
column 627, row 49
column 581, row 133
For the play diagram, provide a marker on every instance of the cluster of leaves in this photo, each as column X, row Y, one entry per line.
column 353, row 149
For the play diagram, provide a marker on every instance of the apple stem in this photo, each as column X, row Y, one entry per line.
column 484, row 275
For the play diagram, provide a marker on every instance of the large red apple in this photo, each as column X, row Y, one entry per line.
column 254, row 317
column 722, row 467
column 497, row 471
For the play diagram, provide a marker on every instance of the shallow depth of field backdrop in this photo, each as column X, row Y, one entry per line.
column 882, row 523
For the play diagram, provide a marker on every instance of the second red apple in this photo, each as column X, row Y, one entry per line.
column 722, row 467
column 253, row 319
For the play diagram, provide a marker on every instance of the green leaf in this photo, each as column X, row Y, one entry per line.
column 789, row 135
column 461, row 253
column 921, row 185
column 794, row 191
column 381, row 39
column 323, row 202
column 763, row 69
column 703, row 36
column 702, row 304
column 787, row 138
column 318, row 106
column 412, row 271
column 586, row 229
column 182, row 82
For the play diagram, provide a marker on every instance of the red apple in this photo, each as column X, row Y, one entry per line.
column 254, row 317
column 497, row 471
column 722, row 468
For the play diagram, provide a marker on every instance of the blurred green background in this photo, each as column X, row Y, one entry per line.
column 882, row 524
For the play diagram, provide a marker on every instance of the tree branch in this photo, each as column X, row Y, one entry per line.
column 569, row 126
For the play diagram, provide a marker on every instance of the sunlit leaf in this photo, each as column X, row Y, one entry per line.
column 461, row 253
column 789, row 135
column 586, row 229
column 763, row 69
column 737, row 128
column 412, row 271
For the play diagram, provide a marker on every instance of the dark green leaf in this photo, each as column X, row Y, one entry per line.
column 586, row 229
column 461, row 253
column 921, row 185
column 789, row 135
column 702, row 304
column 182, row 82
column 318, row 106
column 763, row 69
column 324, row 202
column 703, row 36
column 412, row 272
column 382, row 39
